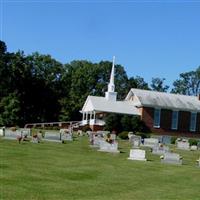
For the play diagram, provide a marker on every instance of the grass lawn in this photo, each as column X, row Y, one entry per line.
column 75, row 171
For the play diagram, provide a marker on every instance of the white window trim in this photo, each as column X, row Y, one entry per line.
column 176, row 127
column 158, row 119
column 195, row 125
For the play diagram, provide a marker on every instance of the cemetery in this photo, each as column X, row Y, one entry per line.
column 75, row 125
column 111, row 161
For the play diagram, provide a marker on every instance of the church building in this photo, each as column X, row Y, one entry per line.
column 162, row 113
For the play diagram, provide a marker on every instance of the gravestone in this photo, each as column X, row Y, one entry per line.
column 137, row 154
column 80, row 133
column 52, row 136
column 151, row 142
column 25, row 131
column 198, row 162
column 14, row 134
column 97, row 140
column 198, row 144
column 171, row 158
column 1, row 132
column 183, row 144
column 35, row 138
column 160, row 149
column 193, row 148
column 166, row 139
column 108, row 147
column 88, row 133
column 158, row 137
column 66, row 137
column 135, row 141
column 113, row 136
column 103, row 133
column 130, row 134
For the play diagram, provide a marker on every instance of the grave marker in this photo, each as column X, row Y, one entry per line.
column 109, row 147
column 171, row 158
column 137, row 154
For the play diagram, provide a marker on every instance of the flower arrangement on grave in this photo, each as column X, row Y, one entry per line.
column 19, row 138
column 108, row 139
column 35, row 135
column 13, row 129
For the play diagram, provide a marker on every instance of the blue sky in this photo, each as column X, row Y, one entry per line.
column 150, row 39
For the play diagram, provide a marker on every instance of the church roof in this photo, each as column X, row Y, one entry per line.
column 164, row 100
column 101, row 104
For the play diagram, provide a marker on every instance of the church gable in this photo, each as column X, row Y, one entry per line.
column 88, row 106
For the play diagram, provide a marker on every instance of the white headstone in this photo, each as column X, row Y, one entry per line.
column 151, row 142
column 113, row 136
column 1, row 132
column 185, row 145
column 172, row 158
column 198, row 162
column 193, row 148
column 137, row 154
column 66, row 137
column 160, row 149
column 130, row 134
column 52, row 136
column 135, row 141
column 80, row 133
column 14, row 134
column 109, row 147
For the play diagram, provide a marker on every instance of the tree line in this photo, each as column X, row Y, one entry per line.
column 38, row 88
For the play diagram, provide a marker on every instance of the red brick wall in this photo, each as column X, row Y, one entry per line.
column 96, row 127
column 165, row 122
column 147, row 117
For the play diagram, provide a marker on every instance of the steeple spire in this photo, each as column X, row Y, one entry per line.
column 111, row 85
column 111, row 95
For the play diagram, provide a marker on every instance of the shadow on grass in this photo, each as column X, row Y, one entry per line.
column 122, row 152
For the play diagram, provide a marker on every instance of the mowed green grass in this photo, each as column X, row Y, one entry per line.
column 75, row 171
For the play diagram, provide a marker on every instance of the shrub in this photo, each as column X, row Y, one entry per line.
column 113, row 122
column 55, row 128
column 173, row 140
column 143, row 135
column 193, row 141
column 123, row 135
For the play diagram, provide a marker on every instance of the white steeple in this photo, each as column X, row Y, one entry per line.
column 111, row 95
column 111, row 85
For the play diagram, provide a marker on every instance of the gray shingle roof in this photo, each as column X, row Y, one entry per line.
column 165, row 100
column 101, row 104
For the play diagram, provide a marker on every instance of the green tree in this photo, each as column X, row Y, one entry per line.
column 188, row 83
column 44, row 89
column 137, row 82
column 158, row 85
column 10, row 110
column 4, row 70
